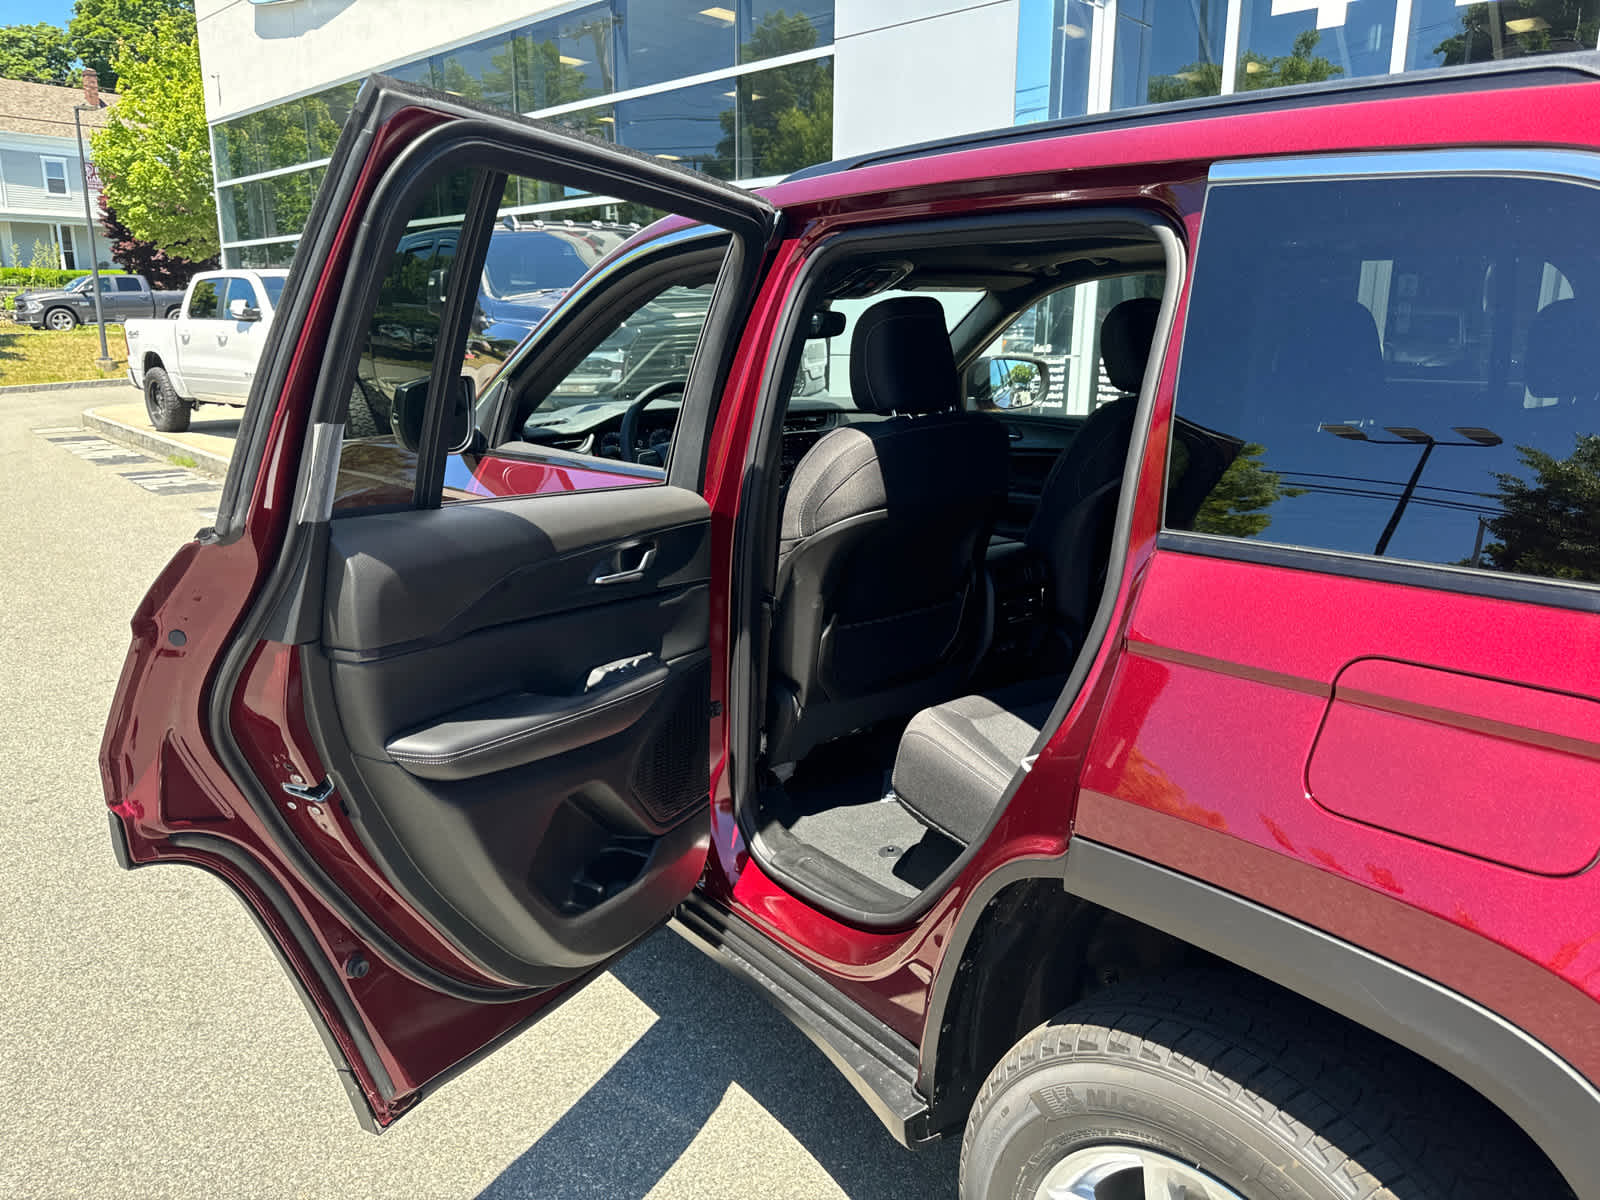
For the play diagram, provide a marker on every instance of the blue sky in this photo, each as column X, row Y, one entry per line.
column 31, row 12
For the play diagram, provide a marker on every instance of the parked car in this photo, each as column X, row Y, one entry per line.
column 1189, row 797
column 529, row 266
column 207, row 353
column 121, row 297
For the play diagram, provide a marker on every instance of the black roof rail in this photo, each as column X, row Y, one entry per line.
column 1529, row 71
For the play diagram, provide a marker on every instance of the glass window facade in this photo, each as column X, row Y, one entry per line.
column 748, row 123
column 1114, row 54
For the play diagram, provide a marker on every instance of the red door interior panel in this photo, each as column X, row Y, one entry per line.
column 1492, row 769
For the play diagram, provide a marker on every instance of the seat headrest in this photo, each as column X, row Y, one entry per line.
column 1327, row 352
column 901, row 360
column 1560, row 358
column 1126, row 335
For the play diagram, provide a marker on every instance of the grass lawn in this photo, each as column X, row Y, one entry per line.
column 30, row 356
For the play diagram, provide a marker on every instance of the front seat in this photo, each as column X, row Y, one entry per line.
column 1071, row 529
column 880, row 600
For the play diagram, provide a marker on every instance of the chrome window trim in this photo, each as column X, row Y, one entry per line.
column 1580, row 165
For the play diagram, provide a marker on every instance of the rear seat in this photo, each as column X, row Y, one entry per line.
column 955, row 759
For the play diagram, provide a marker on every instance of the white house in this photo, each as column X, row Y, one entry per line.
column 41, row 183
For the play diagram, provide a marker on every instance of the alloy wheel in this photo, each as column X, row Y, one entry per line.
column 61, row 320
column 1128, row 1173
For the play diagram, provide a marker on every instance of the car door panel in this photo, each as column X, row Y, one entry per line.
column 455, row 758
column 495, row 697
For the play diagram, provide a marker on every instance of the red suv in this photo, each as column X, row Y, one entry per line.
column 1140, row 706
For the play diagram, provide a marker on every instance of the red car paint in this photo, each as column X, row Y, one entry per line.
column 1130, row 766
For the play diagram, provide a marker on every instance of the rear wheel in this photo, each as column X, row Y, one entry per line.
column 168, row 411
column 173, row 313
column 61, row 319
column 1204, row 1086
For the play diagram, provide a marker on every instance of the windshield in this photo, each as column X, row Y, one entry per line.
column 274, row 285
column 534, row 261
column 80, row 284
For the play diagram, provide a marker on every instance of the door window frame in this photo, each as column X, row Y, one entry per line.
column 1580, row 168
column 495, row 152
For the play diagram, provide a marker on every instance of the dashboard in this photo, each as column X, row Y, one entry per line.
column 596, row 428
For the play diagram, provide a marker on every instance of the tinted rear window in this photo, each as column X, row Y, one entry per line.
column 1404, row 367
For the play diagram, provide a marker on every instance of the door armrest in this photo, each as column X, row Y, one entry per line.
column 523, row 727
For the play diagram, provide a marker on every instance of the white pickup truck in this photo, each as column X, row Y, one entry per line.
column 208, row 354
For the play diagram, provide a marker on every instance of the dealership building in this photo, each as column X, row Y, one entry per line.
column 752, row 89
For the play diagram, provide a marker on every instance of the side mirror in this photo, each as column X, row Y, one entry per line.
column 410, row 410
column 243, row 310
column 1007, row 383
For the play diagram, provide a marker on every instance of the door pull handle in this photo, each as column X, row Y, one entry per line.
column 624, row 573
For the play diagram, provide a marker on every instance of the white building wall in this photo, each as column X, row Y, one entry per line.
column 254, row 55
column 914, row 70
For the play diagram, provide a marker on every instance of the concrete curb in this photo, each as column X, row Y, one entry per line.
column 151, row 442
column 119, row 381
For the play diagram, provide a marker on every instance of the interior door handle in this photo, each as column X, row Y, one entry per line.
column 1014, row 434
column 625, row 573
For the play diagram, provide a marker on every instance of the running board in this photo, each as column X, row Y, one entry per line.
column 878, row 1063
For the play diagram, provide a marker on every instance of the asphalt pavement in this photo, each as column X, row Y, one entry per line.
column 149, row 1045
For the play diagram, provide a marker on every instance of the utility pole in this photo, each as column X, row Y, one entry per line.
column 104, row 362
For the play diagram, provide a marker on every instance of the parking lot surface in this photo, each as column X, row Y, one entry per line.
column 149, row 1045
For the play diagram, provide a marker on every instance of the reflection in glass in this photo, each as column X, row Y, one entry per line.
column 783, row 121
column 271, row 207
column 1446, row 34
column 658, row 40
column 683, row 126
column 1069, row 63
column 566, row 59
column 1278, row 51
column 810, row 21
column 1167, row 52
column 1391, row 367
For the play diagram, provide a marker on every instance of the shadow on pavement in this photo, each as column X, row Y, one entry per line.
column 713, row 1032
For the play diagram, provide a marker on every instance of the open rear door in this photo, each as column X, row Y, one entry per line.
column 450, row 748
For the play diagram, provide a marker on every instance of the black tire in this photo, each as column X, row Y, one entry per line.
column 1264, row 1094
column 173, row 313
column 168, row 411
column 364, row 418
column 60, row 320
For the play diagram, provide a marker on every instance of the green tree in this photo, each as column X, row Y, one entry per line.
column 1549, row 522
column 1545, row 26
column 782, row 119
column 1256, row 71
column 153, row 154
column 101, row 31
column 1237, row 504
column 37, row 54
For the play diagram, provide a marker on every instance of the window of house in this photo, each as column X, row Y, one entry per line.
column 1396, row 367
column 55, row 175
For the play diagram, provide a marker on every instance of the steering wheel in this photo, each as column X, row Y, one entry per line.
column 630, row 419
